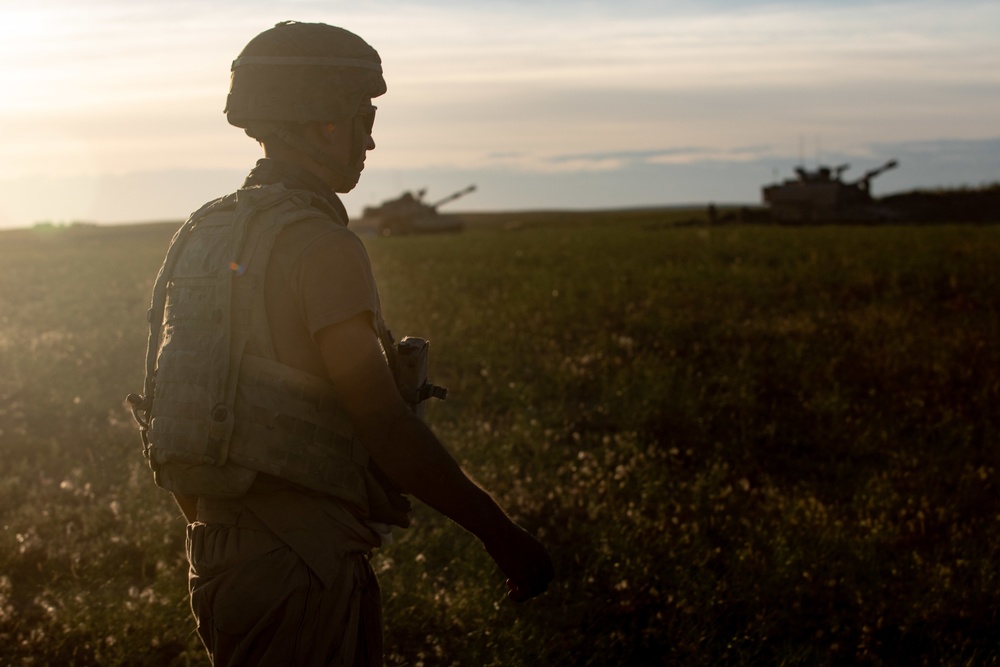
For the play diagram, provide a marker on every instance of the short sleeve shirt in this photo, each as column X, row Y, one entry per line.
column 319, row 274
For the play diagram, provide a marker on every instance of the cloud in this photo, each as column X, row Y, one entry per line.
column 617, row 160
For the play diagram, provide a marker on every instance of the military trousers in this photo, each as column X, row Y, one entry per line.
column 257, row 603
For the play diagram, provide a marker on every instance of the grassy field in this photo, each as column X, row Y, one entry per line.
column 743, row 445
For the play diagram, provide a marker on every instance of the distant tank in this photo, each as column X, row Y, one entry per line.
column 409, row 214
column 822, row 196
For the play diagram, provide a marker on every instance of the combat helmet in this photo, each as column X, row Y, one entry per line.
column 297, row 73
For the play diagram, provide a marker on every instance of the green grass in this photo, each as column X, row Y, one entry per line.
column 743, row 445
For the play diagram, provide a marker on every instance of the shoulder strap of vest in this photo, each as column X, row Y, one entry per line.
column 256, row 253
column 249, row 250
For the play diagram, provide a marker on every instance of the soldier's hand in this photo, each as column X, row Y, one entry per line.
column 524, row 560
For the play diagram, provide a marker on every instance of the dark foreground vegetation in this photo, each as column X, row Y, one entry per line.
column 744, row 446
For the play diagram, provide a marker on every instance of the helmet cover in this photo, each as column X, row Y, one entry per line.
column 303, row 72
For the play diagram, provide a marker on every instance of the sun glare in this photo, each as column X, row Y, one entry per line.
column 20, row 33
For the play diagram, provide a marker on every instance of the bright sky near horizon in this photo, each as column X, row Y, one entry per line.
column 111, row 92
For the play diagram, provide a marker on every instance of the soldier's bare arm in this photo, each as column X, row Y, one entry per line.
column 413, row 457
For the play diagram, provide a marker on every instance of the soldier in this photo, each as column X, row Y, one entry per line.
column 270, row 408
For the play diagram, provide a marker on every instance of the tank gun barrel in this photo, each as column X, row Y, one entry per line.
column 453, row 196
column 872, row 173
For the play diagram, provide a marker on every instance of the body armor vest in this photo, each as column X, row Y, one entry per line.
column 212, row 416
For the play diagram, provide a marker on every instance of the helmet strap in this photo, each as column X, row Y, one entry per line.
column 349, row 177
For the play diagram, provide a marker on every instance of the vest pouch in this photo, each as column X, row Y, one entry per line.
column 185, row 453
column 289, row 424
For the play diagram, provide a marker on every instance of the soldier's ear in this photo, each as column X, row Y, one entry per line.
column 327, row 131
column 316, row 132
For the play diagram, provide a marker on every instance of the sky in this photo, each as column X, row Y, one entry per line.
column 112, row 109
